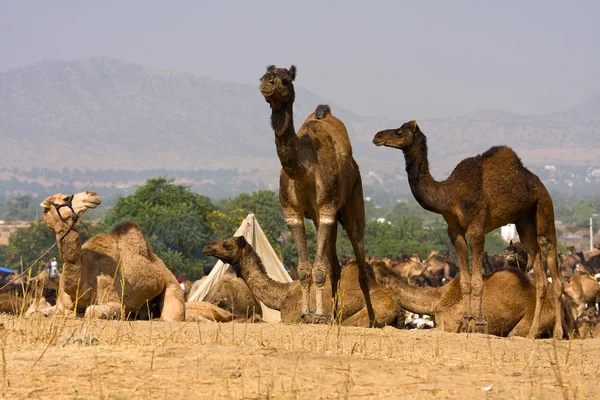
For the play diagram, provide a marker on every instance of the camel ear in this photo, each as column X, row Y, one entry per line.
column 510, row 244
column 241, row 242
column 270, row 68
column 413, row 125
column 292, row 71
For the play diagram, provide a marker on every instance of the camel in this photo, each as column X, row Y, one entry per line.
column 410, row 267
column 440, row 269
column 286, row 297
column 515, row 256
column 492, row 263
column 583, row 289
column 233, row 294
column 319, row 180
column 508, row 301
column 484, row 193
column 205, row 311
column 111, row 273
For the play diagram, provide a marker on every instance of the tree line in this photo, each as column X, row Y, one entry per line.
column 178, row 223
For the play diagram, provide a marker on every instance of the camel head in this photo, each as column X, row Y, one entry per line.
column 515, row 255
column 276, row 86
column 401, row 138
column 60, row 208
column 229, row 251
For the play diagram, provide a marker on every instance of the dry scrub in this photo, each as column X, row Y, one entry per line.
column 152, row 359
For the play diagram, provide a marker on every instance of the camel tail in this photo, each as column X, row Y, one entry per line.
column 322, row 111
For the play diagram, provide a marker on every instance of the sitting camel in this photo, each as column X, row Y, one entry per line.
column 286, row 297
column 516, row 256
column 440, row 269
column 583, row 289
column 233, row 294
column 410, row 268
column 508, row 301
column 111, row 273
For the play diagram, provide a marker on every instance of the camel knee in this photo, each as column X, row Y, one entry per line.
column 477, row 287
column 304, row 275
column 465, row 287
column 319, row 275
column 545, row 244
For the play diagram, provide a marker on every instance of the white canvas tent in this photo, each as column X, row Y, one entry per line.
column 255, row 236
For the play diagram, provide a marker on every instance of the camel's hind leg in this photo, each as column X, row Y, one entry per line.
column 546, row 240
column 458, row 240
column 476, row 244
column 353, row 220
column 335, row 271
column 528, row 236
column 172, row 304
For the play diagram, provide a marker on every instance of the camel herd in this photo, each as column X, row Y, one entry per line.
column 117, row 275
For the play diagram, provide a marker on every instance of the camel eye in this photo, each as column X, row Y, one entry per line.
column 285, row 81
column 227, row 246
column 399, row 132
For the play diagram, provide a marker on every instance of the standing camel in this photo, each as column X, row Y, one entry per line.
column 319, row 180
column 484, row 193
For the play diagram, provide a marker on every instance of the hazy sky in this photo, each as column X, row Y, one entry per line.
column 397, row 59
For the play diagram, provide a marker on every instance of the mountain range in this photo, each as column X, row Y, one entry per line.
column 103, row 113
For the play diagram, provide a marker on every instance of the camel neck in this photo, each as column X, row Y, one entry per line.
column 427, row 191
column 267, row 290
column 71, row 255
column 286, row 141
column 419, row 300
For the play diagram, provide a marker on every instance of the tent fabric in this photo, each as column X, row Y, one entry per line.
column 255, row 236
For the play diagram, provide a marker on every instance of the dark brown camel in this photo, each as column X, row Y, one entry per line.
column 319, row 180
column 484, row 193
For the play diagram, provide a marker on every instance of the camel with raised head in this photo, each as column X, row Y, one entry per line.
column 286, row 297
column 112, row 274
column 319, row 180
column 484, row 193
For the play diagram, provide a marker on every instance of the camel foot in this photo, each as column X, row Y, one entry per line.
column 480, row 326
column 314, row 318
column 465, row 323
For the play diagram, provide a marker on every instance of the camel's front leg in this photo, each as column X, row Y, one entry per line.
column 457, row 237
column 477, row 244
column 319, row 272
column 108, row 303
column 295, row 223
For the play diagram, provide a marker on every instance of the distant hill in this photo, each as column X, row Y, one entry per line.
column 102, row 113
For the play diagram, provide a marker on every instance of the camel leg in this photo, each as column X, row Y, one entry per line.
column 103, row 311
column 546, row 240
column 172, row 304
column 477, row 244
column 457, row 237
column 319, row 272
column 528, row 237
column 353, row 221
column 335, row 270
column 295, row 223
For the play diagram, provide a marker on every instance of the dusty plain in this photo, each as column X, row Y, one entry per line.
column 51, row 358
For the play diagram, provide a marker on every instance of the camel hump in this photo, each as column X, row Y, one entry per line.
column 130, row 237
column 322, row 110
column 124, row 227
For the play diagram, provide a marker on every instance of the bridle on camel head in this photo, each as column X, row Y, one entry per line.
column 69, row 204
column 74, row 218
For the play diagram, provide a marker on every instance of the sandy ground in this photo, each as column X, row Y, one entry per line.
column 159, row 360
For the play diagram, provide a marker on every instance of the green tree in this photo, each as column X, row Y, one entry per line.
column 19, row 209
column 267, row 209
column 174, row 219
column 34, row 240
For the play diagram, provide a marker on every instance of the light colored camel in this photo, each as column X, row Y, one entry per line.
column 319, row 180
column 410, row 267
column 508, row 301
column 233, row 294
column 286, row 297
column 484, row 193
column 583, row 289
column 111, row 274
